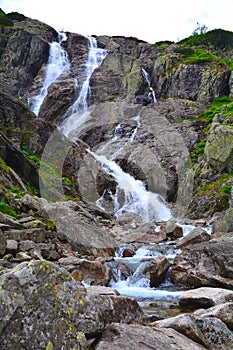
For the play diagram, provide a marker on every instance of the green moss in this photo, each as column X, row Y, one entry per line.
column 6, row 209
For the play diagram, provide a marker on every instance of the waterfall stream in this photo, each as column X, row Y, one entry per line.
column 58, row 63
column 77, row 113
column 151, row 94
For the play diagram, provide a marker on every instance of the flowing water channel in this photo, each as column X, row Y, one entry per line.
column 128, row 272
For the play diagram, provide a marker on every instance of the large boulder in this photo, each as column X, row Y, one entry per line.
column 205, row 264
column 139, row 337
column 43, row 306
column 210, row 332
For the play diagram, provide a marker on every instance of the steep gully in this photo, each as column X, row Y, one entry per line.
column 151, row 207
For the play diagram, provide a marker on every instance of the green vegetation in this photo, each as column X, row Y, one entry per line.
column 17, row 191
column 7, row 19
column 217, row 38
column 223, row 105
column 6, row 209
column 48, row 168
column 200, row 56
column 220, row 189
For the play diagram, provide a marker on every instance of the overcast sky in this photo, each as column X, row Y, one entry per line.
column 150, row 20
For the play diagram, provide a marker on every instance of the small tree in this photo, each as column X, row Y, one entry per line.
column 201, row 29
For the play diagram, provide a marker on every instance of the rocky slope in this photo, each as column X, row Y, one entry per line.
column 54, row 239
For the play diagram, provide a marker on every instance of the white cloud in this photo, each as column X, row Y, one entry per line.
column 151, row 20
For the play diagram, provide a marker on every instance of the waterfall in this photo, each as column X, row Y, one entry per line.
column 58, row 63
column 77, row 113
column 151, row 94
column 150, row 206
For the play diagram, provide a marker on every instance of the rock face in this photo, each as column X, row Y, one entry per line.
column 24, row 49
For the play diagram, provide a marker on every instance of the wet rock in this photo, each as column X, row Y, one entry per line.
column 197, row 235
column 158, row 270
column 205, row 264
column 143, row 338
column 172, row 229
column 205, row 297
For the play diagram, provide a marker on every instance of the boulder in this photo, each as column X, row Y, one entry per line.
column 139, row 337
column 205, row 264
column 210, row 332
column 205, row 297
column 90, row 272
column 158, row 270
column 43, row 306
column 222, row 311
column 197, row 235
column 225, row 223
column 172, row 229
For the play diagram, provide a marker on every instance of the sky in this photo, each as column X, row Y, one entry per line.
column 149, row 20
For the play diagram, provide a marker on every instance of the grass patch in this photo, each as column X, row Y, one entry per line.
column 6, row 209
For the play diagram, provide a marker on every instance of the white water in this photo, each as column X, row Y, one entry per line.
column 138, row 286
column 58, row 63
column 77, row 114
column 151, row 94
column 150, row 206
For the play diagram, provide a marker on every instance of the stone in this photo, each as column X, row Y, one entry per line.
column 140, row 337
column 172, row 229
column 222, row 311
column 34, row 234
column 205, row 264
column 90, row 272
column 210, row 332
column 205, row 297
column 197, row 235
column 219, row 147
column 158, row 270
column 3, row 243
column 11, row 246
column 41, row 304
column 224, row 224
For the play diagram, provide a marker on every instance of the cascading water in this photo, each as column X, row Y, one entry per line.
column 150, row 206
column 58, row 63
column 151, row 94
column 77, row 113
